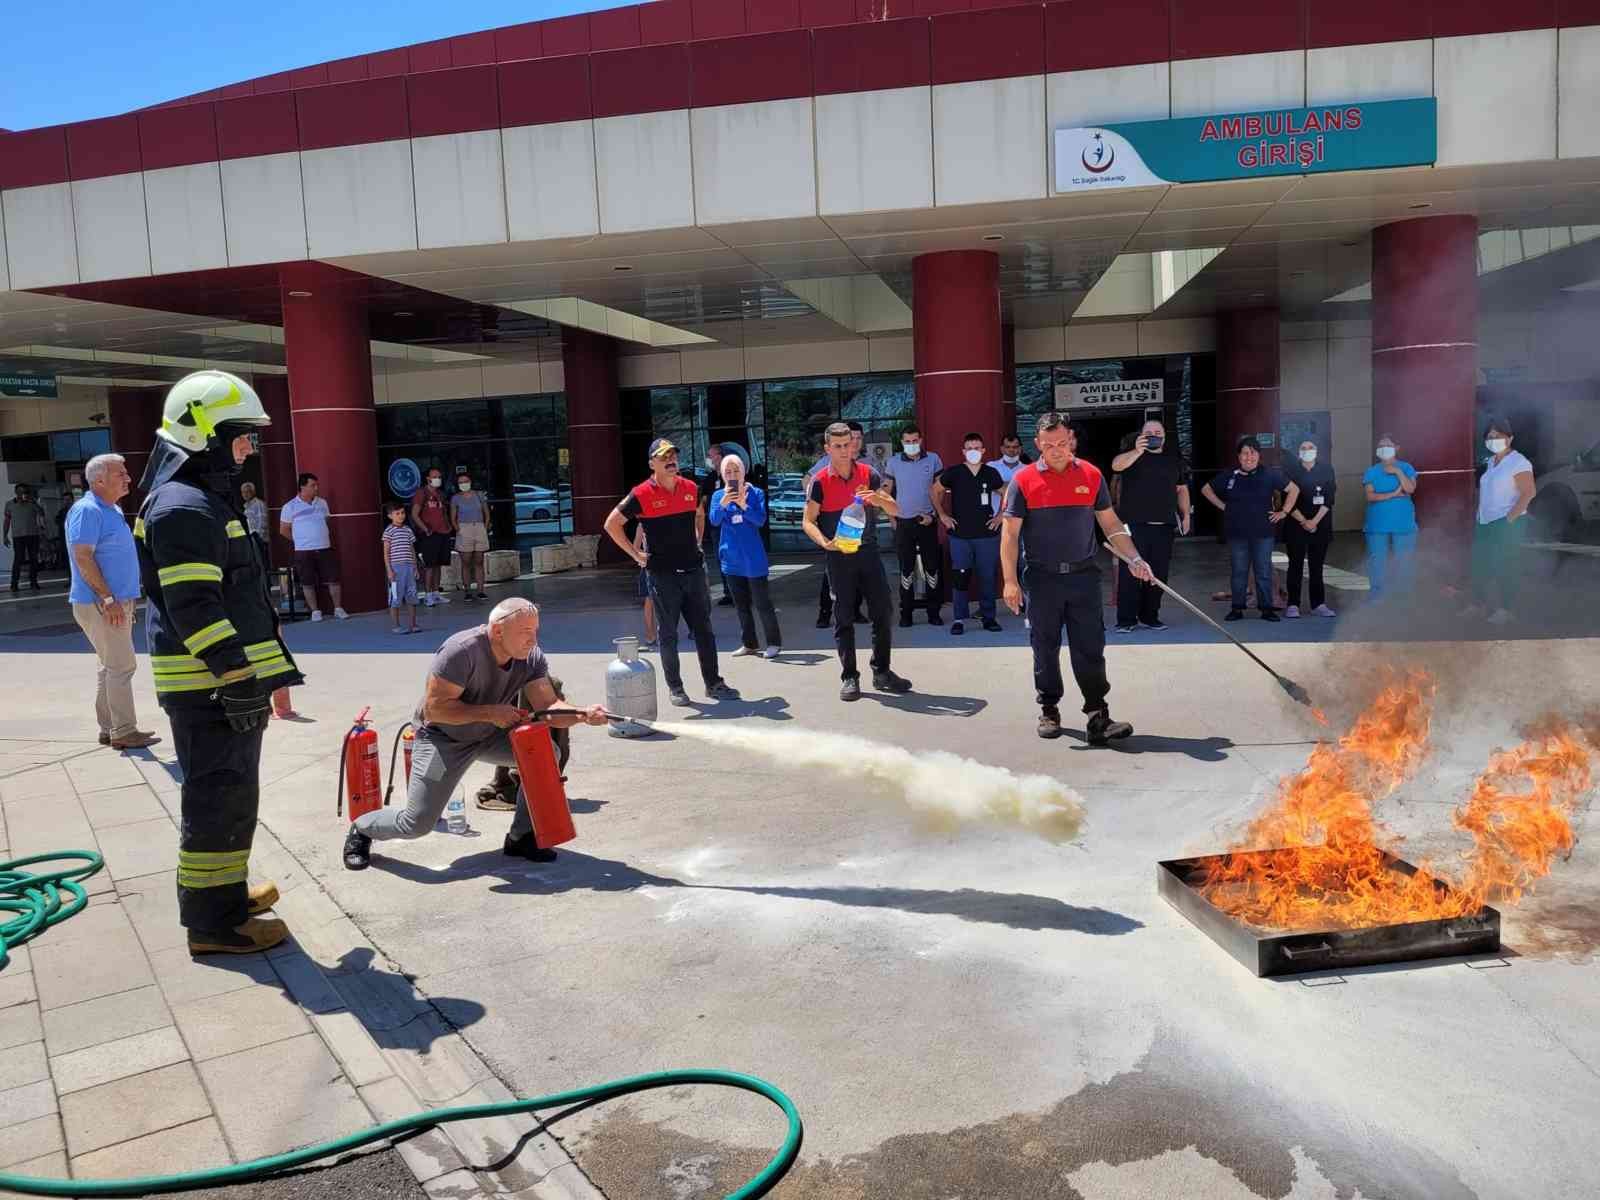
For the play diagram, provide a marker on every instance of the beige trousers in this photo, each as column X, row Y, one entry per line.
column 113, row 646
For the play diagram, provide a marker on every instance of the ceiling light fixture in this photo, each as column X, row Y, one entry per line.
column 405, row 313
column 299, row 295
column 1424, row 204
column 622, row 267
column 994, row 237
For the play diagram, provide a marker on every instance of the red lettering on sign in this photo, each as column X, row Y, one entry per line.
column 1208, row 132
column 1231, row 128
column 1332, row 118
column 1313, row 125
column 1274, row 124
column 1306, row 152
column 1252, row 127
column 1352, row 118
column 1247, row 156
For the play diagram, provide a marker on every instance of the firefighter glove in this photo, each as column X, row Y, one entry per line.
column 245, row 702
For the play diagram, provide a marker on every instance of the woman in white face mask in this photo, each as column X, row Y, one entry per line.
column 1504, row 492
column 1391, row 525
column 1309, row 530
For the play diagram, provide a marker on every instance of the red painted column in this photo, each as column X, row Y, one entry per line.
column 594, row 431
column 1247, row 380
column 277, row 459
column 1008, row 385
column 334, row 422
column 1425, row 358
column 135, row 416
column 955, row 330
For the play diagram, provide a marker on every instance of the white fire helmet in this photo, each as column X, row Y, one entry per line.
column 198, row 403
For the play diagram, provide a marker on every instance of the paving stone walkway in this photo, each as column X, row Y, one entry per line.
column 122, row 1056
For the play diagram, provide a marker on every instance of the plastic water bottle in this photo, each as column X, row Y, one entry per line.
column 455, row 813
column 852, row 524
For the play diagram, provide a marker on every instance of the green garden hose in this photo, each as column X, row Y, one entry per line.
column 36, row 900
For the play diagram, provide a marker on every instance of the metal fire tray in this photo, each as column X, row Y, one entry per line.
column 1264, row 952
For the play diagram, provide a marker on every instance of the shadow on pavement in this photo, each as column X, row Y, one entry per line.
column 769, row 708
column 929, row 704
column 1206, row 749
column 574, row 872
column 389, row 1005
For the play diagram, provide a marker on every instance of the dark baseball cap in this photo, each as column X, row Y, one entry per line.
column 660, row 446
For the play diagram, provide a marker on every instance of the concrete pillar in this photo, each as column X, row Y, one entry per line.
column 955, row 296
column 594, row 431
column 334, row 421
column 1247, row 380
column 135, row 416
column 1425, row 358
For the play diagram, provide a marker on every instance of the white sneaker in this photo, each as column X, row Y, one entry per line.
column 745, row 651
column 440, row 598
column 317, row 615
column 1322, row 610
column 397, row 629
column 1501, row 616
column 772, row 652
column 341, row 614
column 1292, row 613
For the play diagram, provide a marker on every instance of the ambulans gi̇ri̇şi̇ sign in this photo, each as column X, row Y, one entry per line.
column 1293, row 141
column 1110, row 393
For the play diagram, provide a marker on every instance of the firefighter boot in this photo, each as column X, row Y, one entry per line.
column 263, row 896
column 255, row 935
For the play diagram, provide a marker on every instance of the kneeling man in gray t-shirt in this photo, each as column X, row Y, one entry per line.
column 482, row 683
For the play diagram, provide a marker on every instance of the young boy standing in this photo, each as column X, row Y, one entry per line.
column 400, row 561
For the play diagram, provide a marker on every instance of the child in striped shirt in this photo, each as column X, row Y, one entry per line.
column 400, row 560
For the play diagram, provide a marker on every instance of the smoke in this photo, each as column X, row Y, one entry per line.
column 948, row 789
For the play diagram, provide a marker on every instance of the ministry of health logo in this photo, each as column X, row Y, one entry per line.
column 1098, row 156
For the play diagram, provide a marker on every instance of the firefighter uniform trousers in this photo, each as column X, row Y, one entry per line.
column 221, row 795
column 1071, row 601
column 913, row 540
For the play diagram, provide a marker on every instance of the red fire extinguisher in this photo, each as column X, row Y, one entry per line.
column 541, row 784
column 406, row 739
column 358, row 771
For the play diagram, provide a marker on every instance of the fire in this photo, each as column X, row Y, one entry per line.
column 1327, row 866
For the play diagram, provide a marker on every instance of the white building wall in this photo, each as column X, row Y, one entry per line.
column 875, row 150
column 183, row 206
column 41, row 243
column 989, row 141
column 1326, row 366
column 1497, row 97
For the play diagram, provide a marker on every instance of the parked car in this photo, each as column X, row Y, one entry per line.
column 1568, row 497
column 541, row 503
column 787, row 503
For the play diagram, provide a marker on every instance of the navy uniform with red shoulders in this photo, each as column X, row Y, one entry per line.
column 677, row 573
column 1062, row 577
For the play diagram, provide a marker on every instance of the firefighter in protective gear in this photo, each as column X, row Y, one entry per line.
column 213, row 638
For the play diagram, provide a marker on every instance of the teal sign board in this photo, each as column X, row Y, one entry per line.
column 1249, row 145
column 43, row 386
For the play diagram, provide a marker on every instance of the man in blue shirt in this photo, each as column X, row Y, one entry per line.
column 104, row 594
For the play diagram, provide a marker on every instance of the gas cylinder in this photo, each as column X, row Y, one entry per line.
column 546, row 799
column 630, row 689
column 360, row 773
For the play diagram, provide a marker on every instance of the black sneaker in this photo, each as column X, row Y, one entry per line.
column 1234, row 614
column 861, row 617
column 935, row 619
column 357, row 850
column 990, row 625
column 722, row 690
column 957, row 628
column 905, row 622
column 1127, row 629
column 1103, row 729
column 1050, row 722
column 888, row 681
column 824, row 620
column 679, row 698
column 851, row 689
column 725, row 602
column 526, row 847
column 1157, row 626
column 1270, row 614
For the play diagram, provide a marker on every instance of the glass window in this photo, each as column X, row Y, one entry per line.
column 635, row 411
column 534, row 416
column 676, row 408
column 94, row 441
column 797, row 411
column 1035, row 394
column 877, row 398
column 541, row 494
column 64, row 446
column 455, row 420
column 402, row 424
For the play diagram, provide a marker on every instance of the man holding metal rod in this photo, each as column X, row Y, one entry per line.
column 1054, row 505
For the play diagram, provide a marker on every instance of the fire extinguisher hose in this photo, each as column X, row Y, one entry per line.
column 32, row 902
column 394, row 757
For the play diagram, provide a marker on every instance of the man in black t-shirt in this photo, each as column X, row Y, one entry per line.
column 853, row 572
column 668, row 505
column 964, row 497
column 1154, row 501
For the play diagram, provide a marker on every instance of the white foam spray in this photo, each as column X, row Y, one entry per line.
column 948, row 789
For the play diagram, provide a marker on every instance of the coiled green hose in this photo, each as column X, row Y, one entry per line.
column 36, row 900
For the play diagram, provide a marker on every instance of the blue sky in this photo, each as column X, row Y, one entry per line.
column 67, row 60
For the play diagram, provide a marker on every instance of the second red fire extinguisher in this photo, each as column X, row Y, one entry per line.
column 358, row 769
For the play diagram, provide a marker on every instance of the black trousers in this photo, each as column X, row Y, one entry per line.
column 825, row 600
column 221, row 792
column 685, row 594
column 913, row 540
column 25, row 549
column 751, row 593
column 1303, row 546
column 855, row 576
column 1071, row 602
column 1138, row 601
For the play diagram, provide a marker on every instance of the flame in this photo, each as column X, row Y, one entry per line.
column 1325, row 865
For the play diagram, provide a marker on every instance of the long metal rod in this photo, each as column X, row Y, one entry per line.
column 1294, row 689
